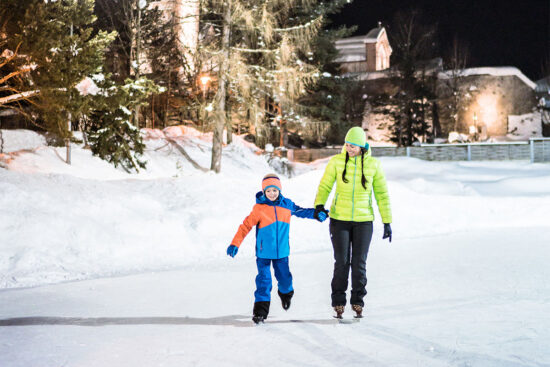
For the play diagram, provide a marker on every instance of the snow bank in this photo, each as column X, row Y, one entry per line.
column 89, row 220
column 15, row 140
column 523, row 127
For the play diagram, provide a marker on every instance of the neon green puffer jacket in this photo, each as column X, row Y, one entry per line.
column 351, row 201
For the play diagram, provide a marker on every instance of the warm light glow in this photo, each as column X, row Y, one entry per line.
column 488, row 110
column 205, row 79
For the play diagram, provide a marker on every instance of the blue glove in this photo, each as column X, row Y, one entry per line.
column 321, row 216
column 232, row 250
column 318, row 210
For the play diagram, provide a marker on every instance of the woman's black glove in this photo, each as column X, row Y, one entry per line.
column 318, row 209
column 387, row 231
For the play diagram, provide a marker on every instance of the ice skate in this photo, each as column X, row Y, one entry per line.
column 358, row 311
column 339, row 311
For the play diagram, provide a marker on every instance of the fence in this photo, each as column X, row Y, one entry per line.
column 535, row 150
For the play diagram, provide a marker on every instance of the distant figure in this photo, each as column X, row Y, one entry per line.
column 271, row 216
column 357, row 174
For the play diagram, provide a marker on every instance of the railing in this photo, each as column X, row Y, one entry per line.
column 535, row 150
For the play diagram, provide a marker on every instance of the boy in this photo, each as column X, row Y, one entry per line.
column 271, row 216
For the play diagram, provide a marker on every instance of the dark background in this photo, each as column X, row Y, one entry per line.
column 497, row 32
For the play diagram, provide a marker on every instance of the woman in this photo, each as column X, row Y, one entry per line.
column 357, row 174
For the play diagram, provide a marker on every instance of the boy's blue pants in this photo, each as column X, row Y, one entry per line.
column 263, row 279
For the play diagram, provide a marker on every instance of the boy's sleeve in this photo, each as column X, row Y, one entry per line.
column 245, row 227
column 301, row 212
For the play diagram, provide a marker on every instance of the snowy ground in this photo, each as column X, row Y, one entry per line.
column 464, row 283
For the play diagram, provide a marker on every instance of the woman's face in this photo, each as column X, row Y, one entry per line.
column 353, row 150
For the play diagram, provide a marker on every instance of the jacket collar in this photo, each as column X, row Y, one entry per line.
column 262, row 199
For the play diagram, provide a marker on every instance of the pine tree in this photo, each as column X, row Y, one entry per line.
column 58, row 40
column 262, row 62
column 326, row 101
column 145, row 43
column 411, row 104
column 111, row 134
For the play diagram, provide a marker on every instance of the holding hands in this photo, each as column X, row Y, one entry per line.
column 320, row 213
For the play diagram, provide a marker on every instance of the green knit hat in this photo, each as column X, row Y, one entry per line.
column 357, row 136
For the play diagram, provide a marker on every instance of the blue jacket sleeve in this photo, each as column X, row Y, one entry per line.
column 300, row 212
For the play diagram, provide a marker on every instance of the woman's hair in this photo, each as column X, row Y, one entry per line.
column 363, row 179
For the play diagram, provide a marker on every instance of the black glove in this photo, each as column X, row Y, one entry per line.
column 387, row 231
column 318, row 209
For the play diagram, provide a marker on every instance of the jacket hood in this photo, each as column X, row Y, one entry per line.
column 262, row 199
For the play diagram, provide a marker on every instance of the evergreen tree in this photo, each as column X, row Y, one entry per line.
column 411, row 105
column 146, row 42
column 58, row 40
column 326, row 101
column 262, row 62
column 71, row 53
column 112, row 136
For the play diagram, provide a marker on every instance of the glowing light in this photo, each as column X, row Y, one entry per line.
column 488, row 109
column 205, row 79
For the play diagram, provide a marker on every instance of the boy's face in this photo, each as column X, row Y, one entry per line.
column 272, row 193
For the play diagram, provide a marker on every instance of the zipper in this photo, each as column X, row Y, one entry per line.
column 277, row 230
column 353, row 191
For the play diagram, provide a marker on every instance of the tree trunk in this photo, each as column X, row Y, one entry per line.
column 220, row 98
column 138, row 50
column 229, row 126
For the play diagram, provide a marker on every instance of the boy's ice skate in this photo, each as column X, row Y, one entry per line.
column 285, row 299
column 258, row 319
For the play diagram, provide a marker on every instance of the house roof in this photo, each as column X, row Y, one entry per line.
column 352, row 49
column 375, row 33
column 494, row 71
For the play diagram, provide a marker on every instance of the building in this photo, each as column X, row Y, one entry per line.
column 495, row 102
column 367, row 53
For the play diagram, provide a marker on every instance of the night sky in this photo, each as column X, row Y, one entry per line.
column 498, row 32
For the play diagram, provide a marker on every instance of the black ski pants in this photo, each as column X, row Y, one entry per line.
column 350, row 242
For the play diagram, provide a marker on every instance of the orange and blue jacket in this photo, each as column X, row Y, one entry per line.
column 272, row 221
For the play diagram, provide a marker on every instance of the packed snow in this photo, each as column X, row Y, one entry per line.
column 522, row 127
column 141, row 258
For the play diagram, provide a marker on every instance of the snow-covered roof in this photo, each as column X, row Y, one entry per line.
column 375, row 34
column 351, row 41
column 351, row 49
column 356, row 41
column 494, row 71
